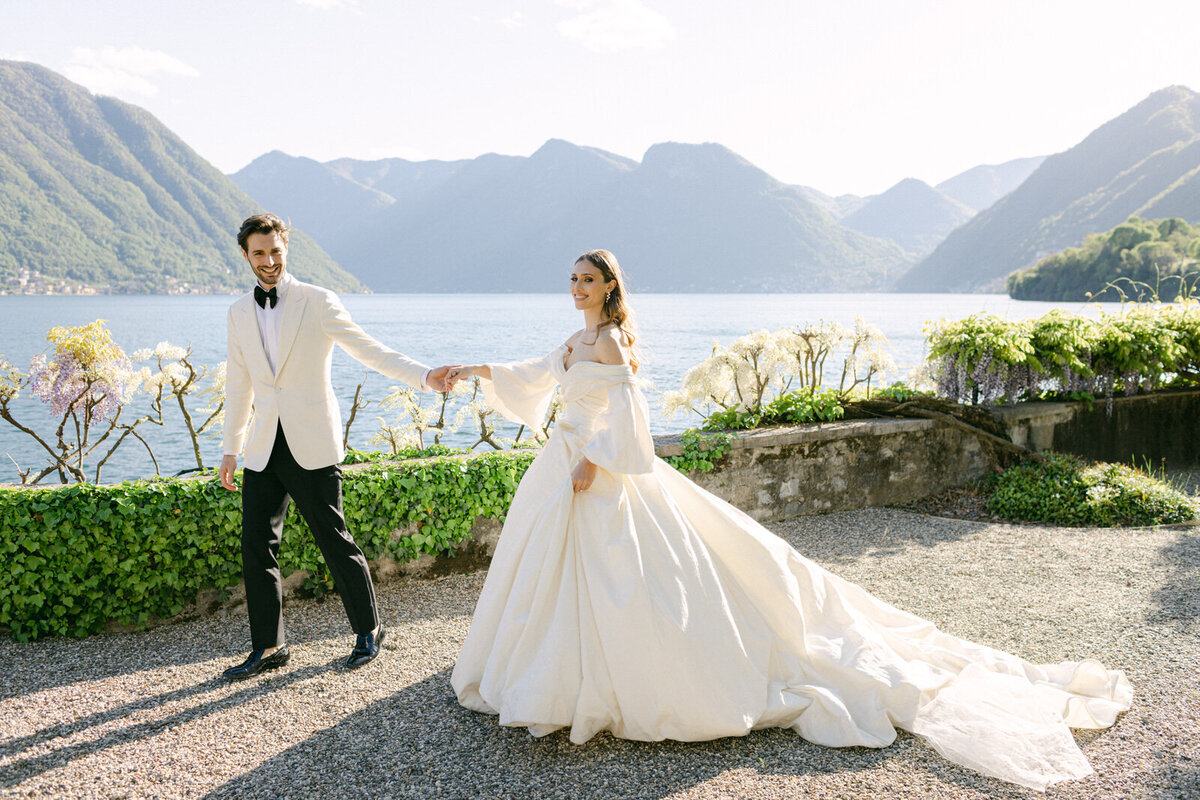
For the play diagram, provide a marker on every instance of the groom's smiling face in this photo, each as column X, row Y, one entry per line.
column 267, row 254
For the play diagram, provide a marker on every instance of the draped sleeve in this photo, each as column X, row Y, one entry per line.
column 521, row 391
column 621, row 442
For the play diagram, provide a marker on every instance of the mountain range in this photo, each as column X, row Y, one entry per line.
column 1144, row 163
column 918, row 216
column 687, row 217
column 98, row 195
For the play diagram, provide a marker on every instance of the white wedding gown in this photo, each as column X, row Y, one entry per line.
column 647, row 607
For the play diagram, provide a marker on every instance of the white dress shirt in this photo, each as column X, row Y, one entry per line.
column 270, row 319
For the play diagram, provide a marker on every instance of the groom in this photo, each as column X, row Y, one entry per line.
column 281, row 341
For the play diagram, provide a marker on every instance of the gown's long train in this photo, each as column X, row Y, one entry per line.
column 647, row 607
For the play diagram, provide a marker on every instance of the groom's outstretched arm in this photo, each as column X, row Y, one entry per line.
column 339, row 327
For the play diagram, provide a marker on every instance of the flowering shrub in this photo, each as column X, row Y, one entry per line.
column 85, row 381
column 409, row 430
column 87, row 377
column 482, row 414
column 988, row 359
column 88, row 382
column 983, row 358
column 178, row 378
column 733, row 387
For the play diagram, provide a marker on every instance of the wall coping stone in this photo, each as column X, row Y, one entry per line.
column 670, row 444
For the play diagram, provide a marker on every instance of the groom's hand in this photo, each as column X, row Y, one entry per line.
column 440, row 380
column 228, row 467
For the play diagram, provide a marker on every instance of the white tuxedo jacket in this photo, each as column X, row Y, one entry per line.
column 299, row 394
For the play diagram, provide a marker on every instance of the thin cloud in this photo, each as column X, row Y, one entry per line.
column 125, row 70
column 608, row 26
column 328, row 5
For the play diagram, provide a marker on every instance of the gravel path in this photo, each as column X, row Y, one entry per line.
column 143, row 715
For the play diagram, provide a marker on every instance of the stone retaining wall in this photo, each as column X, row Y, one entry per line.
column 1154, row 428
column 783, row 472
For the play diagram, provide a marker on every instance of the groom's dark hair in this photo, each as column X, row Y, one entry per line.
column 262, row 223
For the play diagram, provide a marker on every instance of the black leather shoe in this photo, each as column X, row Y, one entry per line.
column 256, row 663
column 366, row 648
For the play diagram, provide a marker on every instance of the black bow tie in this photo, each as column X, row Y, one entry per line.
column 261, row 296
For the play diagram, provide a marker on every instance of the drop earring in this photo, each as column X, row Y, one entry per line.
column 607, row 295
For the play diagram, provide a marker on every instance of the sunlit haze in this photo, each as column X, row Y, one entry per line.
column 846, row 97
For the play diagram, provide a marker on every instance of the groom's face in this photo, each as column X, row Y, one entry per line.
column 267, row 254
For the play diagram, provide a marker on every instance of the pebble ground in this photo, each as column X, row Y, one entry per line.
column 145, row 714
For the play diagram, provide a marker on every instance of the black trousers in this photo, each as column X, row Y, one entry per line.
column 318, row 497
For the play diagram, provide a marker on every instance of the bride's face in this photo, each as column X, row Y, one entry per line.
column 588, row 286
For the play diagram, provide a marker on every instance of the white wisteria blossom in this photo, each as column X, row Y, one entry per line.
column 867, row 358
column 418, row 419
column 214, row 399
column 11, row 381
column 738, row 376
column 176, row 376
column 478, row 411
column 762, row 365
column 395, row 437
column 807, row 347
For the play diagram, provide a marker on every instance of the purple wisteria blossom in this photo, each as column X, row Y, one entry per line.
column 66, row 385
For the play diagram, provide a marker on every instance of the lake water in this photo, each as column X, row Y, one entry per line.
column 677, row 331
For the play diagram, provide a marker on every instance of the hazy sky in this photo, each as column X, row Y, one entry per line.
column 842, row 95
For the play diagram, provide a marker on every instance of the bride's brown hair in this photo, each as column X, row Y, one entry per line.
column 616, row 303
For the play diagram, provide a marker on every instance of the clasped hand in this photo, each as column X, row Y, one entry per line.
column 443, row 378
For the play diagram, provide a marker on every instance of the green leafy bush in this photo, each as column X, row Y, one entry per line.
column 79, row 556
column 354, row 456
column 700, row 452
column 898, row 392
column 798, row 406
column 1065, row 490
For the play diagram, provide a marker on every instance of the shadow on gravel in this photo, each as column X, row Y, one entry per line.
column 21, row 770
column 1177, row 780
column 1178, row 599
column 877, row 531
column 60, row 661
column 420, row 743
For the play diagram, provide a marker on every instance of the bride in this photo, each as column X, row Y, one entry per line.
column 624, row 598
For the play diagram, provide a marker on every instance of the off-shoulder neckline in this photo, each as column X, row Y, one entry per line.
column 567, row 368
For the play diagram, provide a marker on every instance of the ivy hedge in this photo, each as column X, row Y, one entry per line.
column 79, row 556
